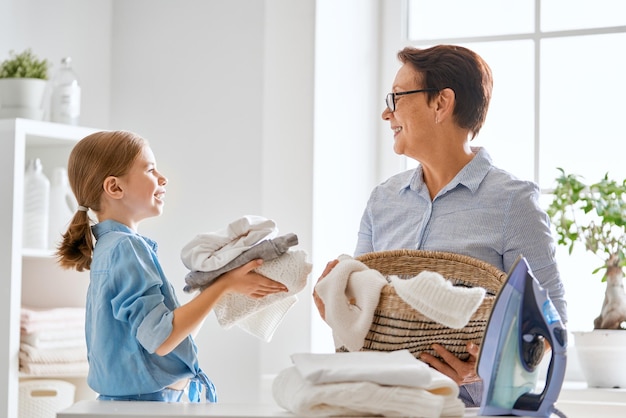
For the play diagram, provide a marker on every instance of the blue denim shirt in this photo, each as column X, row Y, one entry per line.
column 484, row 212
column 129, row 313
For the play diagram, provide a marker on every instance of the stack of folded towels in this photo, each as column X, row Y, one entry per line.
column 52, row 342
column 209, row 255
column 365, row 383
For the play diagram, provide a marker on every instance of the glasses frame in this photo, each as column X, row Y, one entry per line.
column 390, row 99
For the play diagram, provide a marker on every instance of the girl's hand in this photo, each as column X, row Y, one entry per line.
column 462, row 372
column 247, row 282
column 318, row 301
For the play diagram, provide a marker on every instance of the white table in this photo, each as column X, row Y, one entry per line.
column 574, row 403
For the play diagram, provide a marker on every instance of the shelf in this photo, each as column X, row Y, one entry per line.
column 32, row 277
column 53, row 376
column 37, row 253
column 42, row 133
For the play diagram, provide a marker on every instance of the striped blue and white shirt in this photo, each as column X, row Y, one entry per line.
column 484, row 212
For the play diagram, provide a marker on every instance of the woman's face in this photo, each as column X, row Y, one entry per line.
column 413, row 118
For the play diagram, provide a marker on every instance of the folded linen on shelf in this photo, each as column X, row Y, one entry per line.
column 29, row 354
column 52, row 342
column 56, row 338
column 55, row 369
column 34, row 320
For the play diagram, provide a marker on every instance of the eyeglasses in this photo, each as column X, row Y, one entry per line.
column 390, row 100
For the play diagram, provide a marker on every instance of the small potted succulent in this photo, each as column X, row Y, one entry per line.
column 594, row 215
column 23, row 81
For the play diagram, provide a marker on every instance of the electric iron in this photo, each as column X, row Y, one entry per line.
column 522, row 319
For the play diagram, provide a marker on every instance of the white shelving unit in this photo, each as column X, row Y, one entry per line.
column 31, row 277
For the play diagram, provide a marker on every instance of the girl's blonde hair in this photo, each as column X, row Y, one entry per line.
column 93, row 159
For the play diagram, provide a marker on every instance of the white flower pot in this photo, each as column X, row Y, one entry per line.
column 22, row 97
column 602, row 356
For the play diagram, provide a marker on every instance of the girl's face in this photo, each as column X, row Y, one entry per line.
column 143, row 187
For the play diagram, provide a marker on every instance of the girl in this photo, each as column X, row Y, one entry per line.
column 139, row 338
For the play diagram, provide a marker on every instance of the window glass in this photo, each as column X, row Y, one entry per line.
column 429, row 19
column 574, row 123
column 581, row 14
column 508, row 132
column 582, row 107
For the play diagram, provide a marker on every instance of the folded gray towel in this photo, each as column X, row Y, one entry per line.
column 266, row 250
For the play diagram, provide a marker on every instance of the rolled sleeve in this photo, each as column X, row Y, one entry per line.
column 155, row 328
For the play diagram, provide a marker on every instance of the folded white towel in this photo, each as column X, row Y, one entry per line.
column 261, row 317
column 303, row 398
column 395, row 368
column 73, row 369
column 350, row 293
column 56, row 338
column 37, row 320
column 29, row 354
column 28, row 315
column 212, row 250
column 434, row 296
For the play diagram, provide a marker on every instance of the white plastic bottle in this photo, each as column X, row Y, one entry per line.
column 62, row 206
column 65, row 104
column 36, row 201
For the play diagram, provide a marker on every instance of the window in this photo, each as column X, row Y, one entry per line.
column 559, row 69
column 558, row 100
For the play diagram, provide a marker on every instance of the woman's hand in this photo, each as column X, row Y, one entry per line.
column 462, row 372
column 318, row 301
column 246, row 281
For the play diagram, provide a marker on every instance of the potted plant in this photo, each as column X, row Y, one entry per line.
column 594, row 215
column 23, row 81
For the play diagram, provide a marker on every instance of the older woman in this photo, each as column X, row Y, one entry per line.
column 456, row 200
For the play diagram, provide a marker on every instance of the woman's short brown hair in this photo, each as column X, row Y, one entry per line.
column 457, row 68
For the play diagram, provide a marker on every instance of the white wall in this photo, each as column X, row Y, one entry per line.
column 57, row 28
column 348, row 104
column 224, row 92
column 251, row 107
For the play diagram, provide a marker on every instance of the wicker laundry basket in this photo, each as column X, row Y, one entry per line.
column 398, row 326
column 43, row 398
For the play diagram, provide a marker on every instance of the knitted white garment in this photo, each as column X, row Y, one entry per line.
column 350, row 293
column 261, row 317
column 434, row 296
column 212, row 250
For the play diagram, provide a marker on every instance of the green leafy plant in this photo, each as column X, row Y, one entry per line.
column 595, row 215
column 24, row 65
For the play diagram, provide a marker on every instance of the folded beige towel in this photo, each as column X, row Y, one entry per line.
column 434, row 296
column 29, row 354
column 55, row 369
